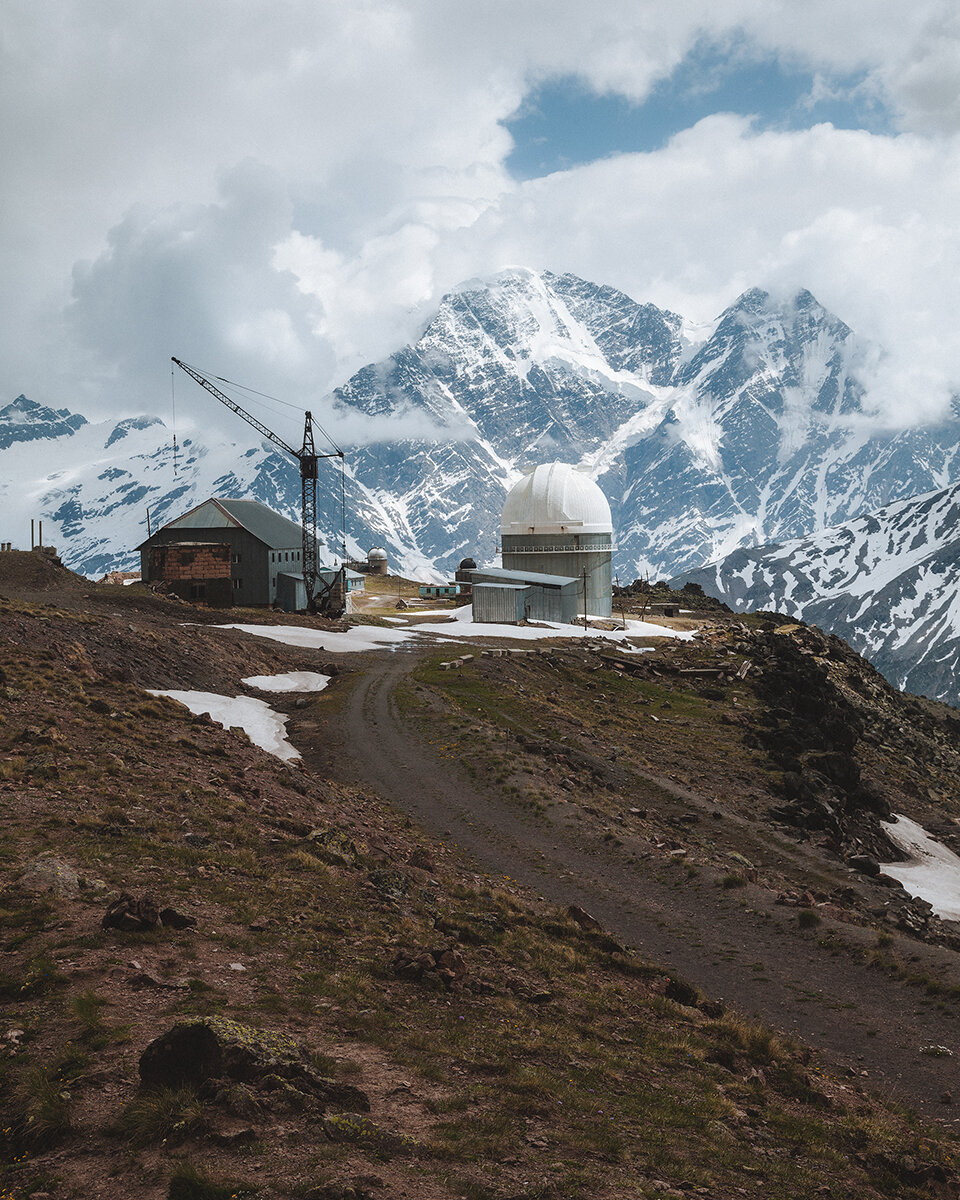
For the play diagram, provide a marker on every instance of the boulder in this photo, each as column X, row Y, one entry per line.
column 355, row 1127
column 445, row 965
column 177, row 920
column 583, row 918
column 864, row 864
column 199, row 1053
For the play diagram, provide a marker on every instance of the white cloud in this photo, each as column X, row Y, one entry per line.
column 281, row 192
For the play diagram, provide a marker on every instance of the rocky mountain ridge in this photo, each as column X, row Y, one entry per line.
column 887, row 583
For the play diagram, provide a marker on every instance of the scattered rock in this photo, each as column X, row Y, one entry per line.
column 359, row 1190
column 334, row 846
column 234, row 1137
column 446, row 965
column 355, row 1127
column 132, row 916
column 391, row 883
column 864, row 864
column 422, row 859
column 583, row 918
column 143, row 979
column 177, row 920
column 55, row 877
column 143, row 915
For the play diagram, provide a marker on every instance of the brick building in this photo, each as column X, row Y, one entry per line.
column 261, row 545
column 198, row 571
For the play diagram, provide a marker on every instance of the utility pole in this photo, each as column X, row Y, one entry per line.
column 623, row 615
column 584, row 599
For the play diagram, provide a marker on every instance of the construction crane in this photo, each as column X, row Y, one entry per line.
column 333, row 600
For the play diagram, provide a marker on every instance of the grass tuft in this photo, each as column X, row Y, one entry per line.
column 166, row 1115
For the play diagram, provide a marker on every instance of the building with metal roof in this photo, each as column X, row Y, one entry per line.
column 545, row 597
column 557, row 521
column 263, row 544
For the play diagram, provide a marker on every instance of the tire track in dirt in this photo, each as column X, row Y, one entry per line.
column 862, row 1020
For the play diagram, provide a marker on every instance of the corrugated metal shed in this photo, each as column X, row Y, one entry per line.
column 500, row 603
column 548, row 597
column 291, row 592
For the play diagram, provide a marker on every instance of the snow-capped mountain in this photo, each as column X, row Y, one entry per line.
column 754, row 434
column 750, row 431
column 888, row 583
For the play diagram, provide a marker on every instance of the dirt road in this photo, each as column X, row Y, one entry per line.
column 869, row 1026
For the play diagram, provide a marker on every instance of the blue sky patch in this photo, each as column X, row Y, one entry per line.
column 563, row 123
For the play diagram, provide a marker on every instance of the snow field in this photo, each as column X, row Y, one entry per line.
column 291, row 681
column 457, row 628
column 932, row 872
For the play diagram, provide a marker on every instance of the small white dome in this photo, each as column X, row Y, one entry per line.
column 377, row 554
column 555, row 498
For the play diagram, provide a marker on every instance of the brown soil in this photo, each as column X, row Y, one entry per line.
column 559, row 1064
column 820, row 986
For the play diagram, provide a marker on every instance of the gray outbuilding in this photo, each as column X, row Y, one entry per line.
column 546, row 597
column 500, row 603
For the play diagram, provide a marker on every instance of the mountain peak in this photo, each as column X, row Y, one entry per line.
column 25, row 421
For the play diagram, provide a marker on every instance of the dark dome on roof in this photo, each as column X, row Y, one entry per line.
column 467, row 565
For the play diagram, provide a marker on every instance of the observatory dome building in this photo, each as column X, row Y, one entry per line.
column 556, row 521
column 377, row 561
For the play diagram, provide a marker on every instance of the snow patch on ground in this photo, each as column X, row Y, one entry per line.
column 264, row 727
column 291, row 681
column 458, row 626
column 932, row 872
column 358, row 638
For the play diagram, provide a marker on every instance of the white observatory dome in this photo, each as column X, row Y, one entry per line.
column 555, row 498
column 377, row 554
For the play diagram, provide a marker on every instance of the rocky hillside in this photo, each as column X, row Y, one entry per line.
column 222, row 975
column 887, row 583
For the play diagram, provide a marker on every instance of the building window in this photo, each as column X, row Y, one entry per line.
column 237, row 585
column 237, row 558
column 274, row 584
column 198, row 591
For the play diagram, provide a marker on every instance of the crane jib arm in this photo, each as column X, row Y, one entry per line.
column 307, row 457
